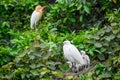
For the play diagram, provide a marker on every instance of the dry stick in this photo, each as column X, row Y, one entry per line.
column 84, row 71
column 89, row 69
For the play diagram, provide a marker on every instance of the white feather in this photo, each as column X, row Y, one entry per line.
column 34, row 19
column 72, row 54
column 85, row 58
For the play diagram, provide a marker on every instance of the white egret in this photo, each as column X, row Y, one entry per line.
column 85, row 58
column 36, row 16
column 72, row 54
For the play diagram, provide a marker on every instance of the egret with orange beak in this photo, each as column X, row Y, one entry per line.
column 36, row 16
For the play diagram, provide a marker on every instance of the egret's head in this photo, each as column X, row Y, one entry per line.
column 82, row 52
column 66, row 42
column 37, row 8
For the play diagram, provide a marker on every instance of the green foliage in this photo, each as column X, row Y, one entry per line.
column 37, row 54
column 14, row 16
column 112, row 17
column 43, row 57
column 71, row 16
column 107, row 42
column 107, row 45
column 4, row 55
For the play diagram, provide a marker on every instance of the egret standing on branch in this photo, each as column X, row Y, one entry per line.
column 72, row 54
column 36, row 16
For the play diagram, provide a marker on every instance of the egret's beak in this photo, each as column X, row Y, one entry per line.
column 43, row 7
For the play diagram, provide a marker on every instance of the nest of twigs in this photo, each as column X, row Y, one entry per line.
column 84, row 71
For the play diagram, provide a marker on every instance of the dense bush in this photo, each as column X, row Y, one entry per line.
column 43, row 58
column 91, row 25
column 107, row 51
column 77, row 15
column 14, row 18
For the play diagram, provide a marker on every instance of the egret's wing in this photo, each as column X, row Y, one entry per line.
column 67, row 53
column 34, row 19
column 75, row 54
column 72, row 54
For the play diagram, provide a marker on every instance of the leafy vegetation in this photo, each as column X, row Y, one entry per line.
column 91, row 25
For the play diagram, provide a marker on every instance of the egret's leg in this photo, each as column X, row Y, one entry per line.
column 35, row 26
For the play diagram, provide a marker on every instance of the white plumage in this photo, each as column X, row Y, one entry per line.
column 72, row 54
column 34, row 19
column 85, row 58
column 36, row 16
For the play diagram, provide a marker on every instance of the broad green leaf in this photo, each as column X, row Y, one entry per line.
column 108, row 29
column 39, row 65
column 44, row 71
column 96, row 37
column 58, row 74
column 72, row 4
column 98, row 45
column 109, row 38
column 34, row 72
column 23, row 76
column 87, row 9
column 17, row 59
column 81, row 18
column 106, row 75
column 33, row 66
column 115, row 31
column 79, row 7
column 64, row 20
column 43, row 45
column 118, row 35
column 72, row 20
column 31, row 56
column 101, row 56
column 69, row 77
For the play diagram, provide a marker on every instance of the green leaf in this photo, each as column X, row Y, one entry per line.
column 72, row 4
column 33, row 66
column 72, row 20
column 34, row 72
column 31, row 56
column 118, row 36
column 112, row 36
column 23, row 76
column 108, row 29
column 81, row 18
column 98, row 45
column 17, row 59
column 69, row 77
column 106, row 75
column 96, row 37
column 87, row 9
column 115, row 31
column 79, row 7
column 101, row 56
column 44, row 71
column 39, row 65
column 43, row 45
column 64, row 20
column 58, row 74
column 109, row 38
